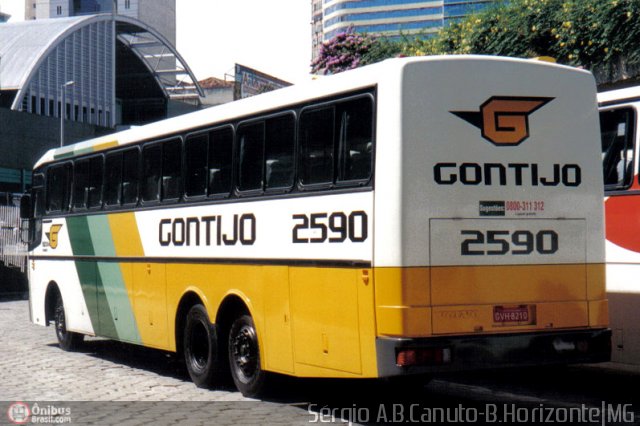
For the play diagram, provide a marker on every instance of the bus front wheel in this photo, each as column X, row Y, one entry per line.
column 244, row 357
column 67, row 340
column 200, row 347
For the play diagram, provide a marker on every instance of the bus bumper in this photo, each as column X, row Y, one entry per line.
column 402, row 356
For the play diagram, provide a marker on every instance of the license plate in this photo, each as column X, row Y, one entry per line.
column 520, row 314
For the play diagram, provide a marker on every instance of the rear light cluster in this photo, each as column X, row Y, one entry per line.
column 407, row 357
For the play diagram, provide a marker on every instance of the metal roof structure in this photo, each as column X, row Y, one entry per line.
column 38, row 57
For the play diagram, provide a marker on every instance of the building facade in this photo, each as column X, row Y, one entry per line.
column 389, row 18
column 158, row 14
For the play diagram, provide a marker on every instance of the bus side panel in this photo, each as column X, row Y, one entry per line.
column 278, row 339
column 624, row 298
column 49, row 266
column 623, row 264
column 94, row 236
column 331, row 307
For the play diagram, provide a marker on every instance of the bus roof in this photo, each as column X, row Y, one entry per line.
column 628, row 94
column 360, row 78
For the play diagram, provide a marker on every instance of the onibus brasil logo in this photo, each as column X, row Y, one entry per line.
column 19, row 413
column 504, row 120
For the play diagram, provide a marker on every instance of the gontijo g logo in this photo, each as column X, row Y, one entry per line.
column 52, row 235
column 504, row 120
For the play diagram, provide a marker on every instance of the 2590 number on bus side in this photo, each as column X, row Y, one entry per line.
column 335, row 227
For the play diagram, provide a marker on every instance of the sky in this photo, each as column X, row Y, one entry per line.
column 272, row 36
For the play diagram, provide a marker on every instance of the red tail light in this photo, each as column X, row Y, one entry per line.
column 422, row 356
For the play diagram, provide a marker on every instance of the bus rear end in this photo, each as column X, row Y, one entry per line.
column 489, row 248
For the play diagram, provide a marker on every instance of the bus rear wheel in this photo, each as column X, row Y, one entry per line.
column 200, row 348
column 244, row 357
column 67, row 340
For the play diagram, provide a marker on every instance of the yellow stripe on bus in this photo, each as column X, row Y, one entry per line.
column 142, row 280
column 105, row 145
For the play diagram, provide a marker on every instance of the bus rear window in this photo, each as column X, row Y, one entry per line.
column 617, row 135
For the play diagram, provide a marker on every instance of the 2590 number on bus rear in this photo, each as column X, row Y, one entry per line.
column 504, row 242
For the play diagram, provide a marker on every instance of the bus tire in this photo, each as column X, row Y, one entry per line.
column 67, row 340
column 200, row 347
column 244, row 357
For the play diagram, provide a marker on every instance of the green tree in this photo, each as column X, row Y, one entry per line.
column 602, row 36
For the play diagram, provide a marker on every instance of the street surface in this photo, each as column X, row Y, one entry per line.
column 112, row 383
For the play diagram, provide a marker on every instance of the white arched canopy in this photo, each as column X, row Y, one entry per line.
column 39, row 59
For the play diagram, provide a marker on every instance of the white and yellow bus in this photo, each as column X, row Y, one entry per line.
column 416, row 216
column 619, row 125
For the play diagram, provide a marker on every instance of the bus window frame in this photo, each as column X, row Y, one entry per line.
column 172, row 200
column 85, row 207
column 233, row 194
column 232, row 185
column 231, row 189
column 160, row 199
column 611, row 189
column 121, row 152
column 141, row 172
column 335, row 182
column 69, row 185
column 108, row 207
column 263, row 119
column 294, row 153
column 358, row 182
column 187, row 139
column 138, row 149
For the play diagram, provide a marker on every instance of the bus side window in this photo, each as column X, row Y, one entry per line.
column 279, row 145
column 355, row 139
column 220, row 160
column 617, row 135
column 130, row 178
column 80, row 184
column 316, row 146
column 94, row 189
column 59, row 188
column 251, row 153
column 38, row 195
column 195, row 151
column 113, row 179
column 151, row 165
column 171, row 169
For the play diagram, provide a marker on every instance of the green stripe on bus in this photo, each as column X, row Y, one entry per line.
column 113, row 287
column 102, row 282
column 81, row 246
column 63, row 153
column 71, row 152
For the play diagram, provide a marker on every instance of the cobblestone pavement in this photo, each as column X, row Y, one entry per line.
column 34, row 369
column 110, row 383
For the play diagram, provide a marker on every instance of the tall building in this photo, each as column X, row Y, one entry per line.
column 159, row 14
column 390, row 18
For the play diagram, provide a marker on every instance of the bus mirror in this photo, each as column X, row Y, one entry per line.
column 25, row 230
column 26, row 209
